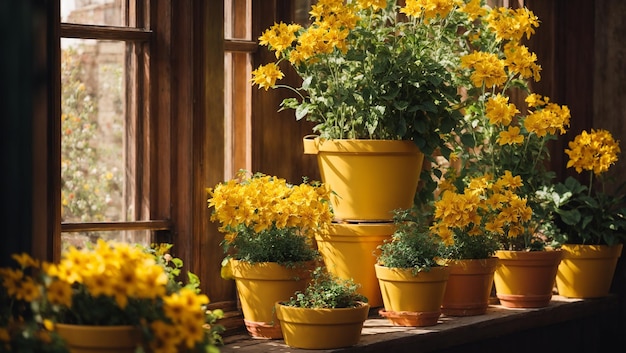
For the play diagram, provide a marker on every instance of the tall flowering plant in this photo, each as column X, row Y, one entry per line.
column 372, row 69
column 266, row 219
column 112, row 284
column 472, row 222
column 495, row 136
column 586, row 215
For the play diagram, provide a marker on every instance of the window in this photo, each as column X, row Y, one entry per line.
column 105, row 51
column 238, row 47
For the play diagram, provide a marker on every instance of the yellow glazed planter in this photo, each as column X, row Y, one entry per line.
column 349, row 251
column 469, row 286
column 412, row 300
column 260, row 286
column 100, row 339
column 525, row 279
column 586, row 271
column 321, row 328
column 369, row 178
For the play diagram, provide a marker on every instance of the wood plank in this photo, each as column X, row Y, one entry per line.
column 129, row 34
column 452, row 333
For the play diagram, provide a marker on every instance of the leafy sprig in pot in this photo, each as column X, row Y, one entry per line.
column 413, row 245
column 327, row 291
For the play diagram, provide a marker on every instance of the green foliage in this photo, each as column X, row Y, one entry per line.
column 327, row 291
column 284, row 246
column 470, row 247
column 584, row 217
column 412, row 245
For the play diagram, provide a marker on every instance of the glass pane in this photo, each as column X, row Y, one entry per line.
column 93, row 12
column 238, row 19
column 80, row 240
column 93, row 125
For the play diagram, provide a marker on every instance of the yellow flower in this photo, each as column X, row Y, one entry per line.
column 374, row 4
column 25, row 260
column 473, row 9
column 167, row 337
column 520, row 60
column 512, row 24
column 486, row 68
column 279, row 37
column 499, row 110
column 535, row 100
column 60, row 293
column 510, row 137
column 267, row 75
column 595, row 151
column 430, row 9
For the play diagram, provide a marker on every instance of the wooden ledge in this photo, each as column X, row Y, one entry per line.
column 379, row 335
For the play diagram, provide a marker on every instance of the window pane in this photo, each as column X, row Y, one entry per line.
column 237, row 19
column 93, row 124
column 93, row 12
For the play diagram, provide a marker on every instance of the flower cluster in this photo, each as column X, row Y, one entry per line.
column 113, row 284
column 255, row 212
column 595, row 151
column 485, row 211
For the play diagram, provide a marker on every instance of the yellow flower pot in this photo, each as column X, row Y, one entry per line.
column 586, row 271
column 412, row 300
column 321, row 328
column 469, row 286
column 100, row 339
column 260, row 286
column 369, row 178
column 525, row 279
column 350, row 251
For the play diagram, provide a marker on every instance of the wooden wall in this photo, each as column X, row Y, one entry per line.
column 277, row 136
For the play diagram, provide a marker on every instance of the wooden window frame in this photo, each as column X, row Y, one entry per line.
column 183, row 132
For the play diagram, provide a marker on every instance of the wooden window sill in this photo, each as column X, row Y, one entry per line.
column 379, row 335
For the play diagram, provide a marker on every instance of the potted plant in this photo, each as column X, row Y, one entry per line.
column 592, row 220
column 496, row 137
column 113, row 296
column 377, row 79
column 269, row 228
column 328, row 314
column 472, row 222
column 412, row 281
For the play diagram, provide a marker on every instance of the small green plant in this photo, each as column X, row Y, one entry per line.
column 327, row 291
column 413, row 245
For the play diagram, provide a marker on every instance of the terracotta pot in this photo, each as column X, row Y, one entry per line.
column 321, row 328
column 586, row 271
column 350, row 251
column 412, row 300
column 469, row 286
column 100, row 339
column 260, row 286
column 525, row 279
column 369, row 178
